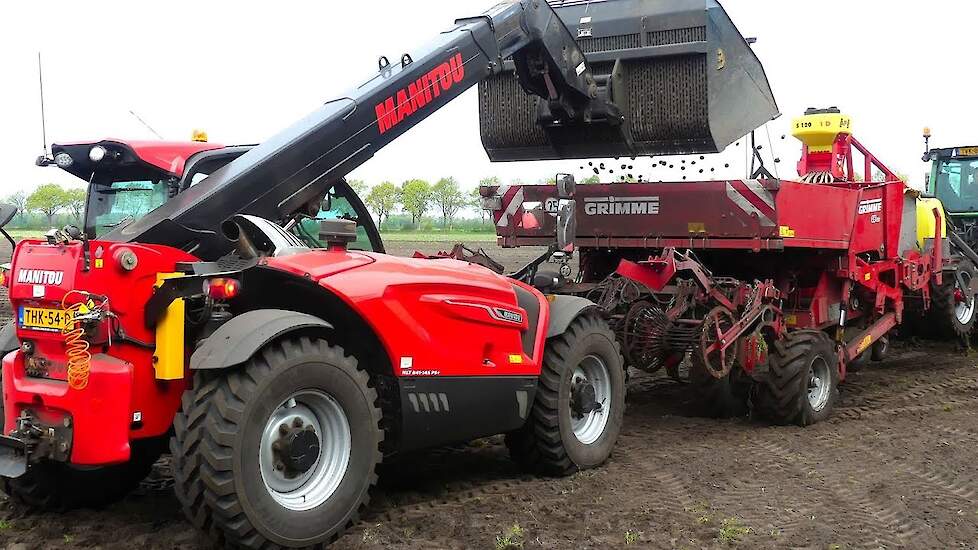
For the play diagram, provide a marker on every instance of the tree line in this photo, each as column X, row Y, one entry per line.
column 415, row 198
column 418, row 198
column 49, row 200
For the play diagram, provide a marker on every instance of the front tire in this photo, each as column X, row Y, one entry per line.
column 949, row 315
column 579, row 405
column 281, row 452
column 801, row 386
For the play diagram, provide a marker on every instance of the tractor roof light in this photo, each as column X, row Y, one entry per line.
column 97, row 153
column 221, row 288
column 63, row 160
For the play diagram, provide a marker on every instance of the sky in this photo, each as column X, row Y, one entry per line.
column 243, row 71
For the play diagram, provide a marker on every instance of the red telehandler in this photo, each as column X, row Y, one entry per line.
column 773, row 288
column 281, row 375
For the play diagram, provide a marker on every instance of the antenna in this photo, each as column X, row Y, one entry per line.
column 44, row 129
column 143, row 122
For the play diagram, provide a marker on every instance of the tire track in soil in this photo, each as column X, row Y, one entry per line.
column 963, row 436
column 922, row 478
column 656, row 481
column 394, row 503
column 921, row 387
column 874, row 523
column 925, row 479
column 872, row 406
column 844, row 415
column 672, row 493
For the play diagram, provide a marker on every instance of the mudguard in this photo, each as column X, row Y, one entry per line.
column 238, row 339
column 8, row 338
column 563, row 311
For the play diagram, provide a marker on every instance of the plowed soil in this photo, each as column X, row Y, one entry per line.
column 894, row 468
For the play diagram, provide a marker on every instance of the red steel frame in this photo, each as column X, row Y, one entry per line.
column 848, row 233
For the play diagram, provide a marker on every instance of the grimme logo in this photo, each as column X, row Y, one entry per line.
column 617, row 206
column 40, row 277
column 871, row 206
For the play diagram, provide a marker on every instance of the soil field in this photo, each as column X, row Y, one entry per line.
column 894, row 468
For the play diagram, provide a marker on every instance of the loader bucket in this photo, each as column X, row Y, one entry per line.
column 683, row 76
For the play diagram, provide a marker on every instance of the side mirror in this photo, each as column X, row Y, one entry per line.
column 566, row 225
column 566, row 186
column 327, row 203
column 7, row 213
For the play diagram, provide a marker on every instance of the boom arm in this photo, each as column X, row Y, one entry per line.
column 281, row 176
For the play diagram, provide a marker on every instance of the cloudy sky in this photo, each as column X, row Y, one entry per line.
column 245, row 70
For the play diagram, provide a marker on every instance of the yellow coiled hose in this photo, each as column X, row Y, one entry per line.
column 79, row 358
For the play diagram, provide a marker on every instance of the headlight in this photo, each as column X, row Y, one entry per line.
column 63, row 160
column 97, row 153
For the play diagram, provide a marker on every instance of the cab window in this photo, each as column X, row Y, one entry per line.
column 957, row 185
column 123, row 202
column 339, row 206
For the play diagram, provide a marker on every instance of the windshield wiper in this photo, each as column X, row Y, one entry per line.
column 128, row 219
column 116, row 191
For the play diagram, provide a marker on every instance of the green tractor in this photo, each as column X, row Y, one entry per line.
column 953, row 179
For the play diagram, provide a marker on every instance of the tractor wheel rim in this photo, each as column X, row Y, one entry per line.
column 589, row 427
column 819, row 384
column 962, row 311
column 308, row 481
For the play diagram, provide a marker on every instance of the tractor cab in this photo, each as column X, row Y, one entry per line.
column 953, row 179
column 128, row 179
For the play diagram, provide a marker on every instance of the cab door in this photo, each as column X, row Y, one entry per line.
column 343, row 203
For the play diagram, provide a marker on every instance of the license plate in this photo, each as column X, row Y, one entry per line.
column 38, row 318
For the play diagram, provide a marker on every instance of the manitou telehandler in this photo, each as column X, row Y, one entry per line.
column 772, row 287
column 281, row 375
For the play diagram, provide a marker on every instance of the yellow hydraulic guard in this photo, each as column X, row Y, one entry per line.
column 169, row 355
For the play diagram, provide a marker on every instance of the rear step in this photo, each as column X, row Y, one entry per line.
column 683, row 76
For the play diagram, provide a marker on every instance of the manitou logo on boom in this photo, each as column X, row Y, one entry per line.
column 426, row 89
column 40, row 277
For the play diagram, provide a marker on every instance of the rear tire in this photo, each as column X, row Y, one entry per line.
column 717, row 398
column 801, row 386
column 562, row 435
column 881, row 348
column 948, row 317
column 281, row 452
column 55, row 486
